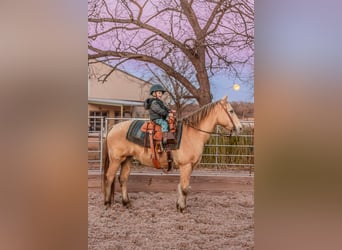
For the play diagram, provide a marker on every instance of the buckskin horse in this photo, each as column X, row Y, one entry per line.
column 196, row 131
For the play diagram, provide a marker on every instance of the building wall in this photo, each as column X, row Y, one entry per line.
column 119, row 85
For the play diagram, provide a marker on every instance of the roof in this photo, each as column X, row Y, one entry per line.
column 93, row 61
column 112, row 102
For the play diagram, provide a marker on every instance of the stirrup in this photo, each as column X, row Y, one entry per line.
column 164, row 139
column 171, row 137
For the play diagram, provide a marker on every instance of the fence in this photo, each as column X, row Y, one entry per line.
column 95, row 144
column 233, row 153
column 230, row 152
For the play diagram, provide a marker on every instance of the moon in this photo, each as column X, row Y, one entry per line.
column 236, row 86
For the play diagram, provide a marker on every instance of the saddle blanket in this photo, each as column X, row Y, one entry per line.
column 135, row 135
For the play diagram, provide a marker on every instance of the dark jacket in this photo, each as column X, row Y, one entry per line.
column 158, row 110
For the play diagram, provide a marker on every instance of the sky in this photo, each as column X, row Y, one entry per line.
column 221, row 86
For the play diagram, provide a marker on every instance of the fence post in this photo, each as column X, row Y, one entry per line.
column 101, row 145
column 216, row 150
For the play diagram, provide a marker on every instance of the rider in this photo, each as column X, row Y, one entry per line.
column 159, row 113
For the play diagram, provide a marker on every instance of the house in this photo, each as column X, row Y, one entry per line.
column 121, row 95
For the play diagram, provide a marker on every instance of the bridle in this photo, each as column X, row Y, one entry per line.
column 214, row 133
column 230, row 117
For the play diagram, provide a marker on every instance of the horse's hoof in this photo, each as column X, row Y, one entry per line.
column 180, row 209
column 107, row 205
column 127, row 204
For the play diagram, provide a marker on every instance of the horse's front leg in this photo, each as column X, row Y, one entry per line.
column 123, row 179
column 183, row 186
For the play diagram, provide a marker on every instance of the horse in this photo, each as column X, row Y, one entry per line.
column 196, row 131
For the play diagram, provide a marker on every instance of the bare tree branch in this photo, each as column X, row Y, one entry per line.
column 169, row 70
column 189, row 41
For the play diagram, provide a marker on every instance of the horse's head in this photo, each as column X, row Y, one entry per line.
column 227, row 117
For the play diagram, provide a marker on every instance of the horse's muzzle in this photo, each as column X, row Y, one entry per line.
column 237, row 131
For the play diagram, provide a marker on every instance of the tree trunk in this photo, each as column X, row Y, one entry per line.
column 204, row 93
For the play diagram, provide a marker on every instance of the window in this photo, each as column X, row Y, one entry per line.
column 95, row 120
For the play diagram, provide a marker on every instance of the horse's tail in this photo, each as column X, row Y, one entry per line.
column 105, row 162
column 105, row 156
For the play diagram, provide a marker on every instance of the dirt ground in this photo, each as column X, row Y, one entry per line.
column 212, row 220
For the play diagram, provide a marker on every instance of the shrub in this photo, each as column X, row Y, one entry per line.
column 234, row 152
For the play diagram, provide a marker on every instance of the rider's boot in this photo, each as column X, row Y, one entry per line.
column 165, row 138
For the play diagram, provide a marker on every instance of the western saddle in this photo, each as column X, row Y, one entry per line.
column 154, row 134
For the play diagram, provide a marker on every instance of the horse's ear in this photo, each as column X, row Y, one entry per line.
column 224, row 99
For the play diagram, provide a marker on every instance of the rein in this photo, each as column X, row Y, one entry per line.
column 211, row 133
column 220, row 134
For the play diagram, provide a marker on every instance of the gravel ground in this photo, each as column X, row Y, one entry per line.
column 212, row 220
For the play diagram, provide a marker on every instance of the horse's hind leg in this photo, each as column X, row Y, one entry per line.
column 183, row 186
column 123, row 179
column 110, row 182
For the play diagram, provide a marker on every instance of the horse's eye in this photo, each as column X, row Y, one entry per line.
column 231, row 111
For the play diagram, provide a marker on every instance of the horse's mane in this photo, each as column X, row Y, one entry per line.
column 197, row 116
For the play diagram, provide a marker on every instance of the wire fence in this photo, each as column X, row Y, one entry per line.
column 220, row 152
column 234, row 152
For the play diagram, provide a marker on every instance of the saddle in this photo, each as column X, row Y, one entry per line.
column 154, row 134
